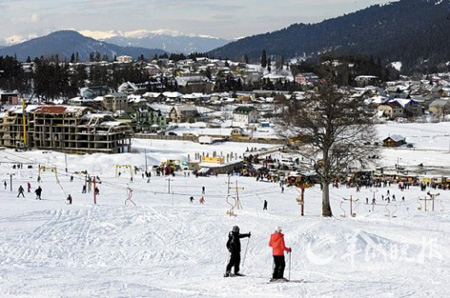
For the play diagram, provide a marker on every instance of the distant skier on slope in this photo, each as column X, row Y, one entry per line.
column 38, row 192
column 234, row 247
column 20, row 191
column 278, row 246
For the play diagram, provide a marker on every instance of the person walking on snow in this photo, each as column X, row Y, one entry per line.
column 29, row 186
column 20, row 190
column 265, row 205
column 234, row 247
column 202, row 200
column 278, row 246
column 38, row 192
column 69, row 199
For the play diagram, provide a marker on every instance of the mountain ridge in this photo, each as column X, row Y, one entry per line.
column 64, row 43
column 411, row 31
column 168, row 40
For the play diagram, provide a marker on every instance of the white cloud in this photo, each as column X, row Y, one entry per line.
column 226, row 19
column 34, row 18
column 13, row 39
column 99, row 34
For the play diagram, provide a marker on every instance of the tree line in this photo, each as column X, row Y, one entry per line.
column 50, row 78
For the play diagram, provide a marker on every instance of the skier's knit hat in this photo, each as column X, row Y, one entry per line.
column 278, row 229
column 235, row 229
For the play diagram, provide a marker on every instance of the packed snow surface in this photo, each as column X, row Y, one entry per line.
column 164, row 246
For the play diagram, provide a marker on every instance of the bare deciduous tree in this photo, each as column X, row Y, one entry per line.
column 333, row 129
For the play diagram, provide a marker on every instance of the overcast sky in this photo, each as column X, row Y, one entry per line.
column 222, row 18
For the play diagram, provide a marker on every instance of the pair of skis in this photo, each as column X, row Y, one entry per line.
column 233, row 275
column 283, row 280
column 272, row 280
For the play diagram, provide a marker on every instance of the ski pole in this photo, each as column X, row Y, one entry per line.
column 290, row 253
column 245, row 254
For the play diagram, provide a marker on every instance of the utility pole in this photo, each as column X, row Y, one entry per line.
column 373, row 191
column 425, row 202
column 302, row 200
column 24, row 124
column 433, row 198
column 229, row 183
column 146, row 167
column 351, row 205
column 168, row 185
column 10, row 181
column 95, row 192
column 65, row 157
column 238, row 202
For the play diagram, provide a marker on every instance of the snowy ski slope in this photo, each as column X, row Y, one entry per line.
column 167, row 247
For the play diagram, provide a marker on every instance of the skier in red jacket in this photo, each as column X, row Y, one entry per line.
column 278, row 246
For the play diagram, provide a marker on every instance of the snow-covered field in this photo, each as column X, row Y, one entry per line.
column 431, row 147
column 167, row 247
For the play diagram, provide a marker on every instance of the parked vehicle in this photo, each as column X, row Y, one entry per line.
column 205, row 140
column 287, row 162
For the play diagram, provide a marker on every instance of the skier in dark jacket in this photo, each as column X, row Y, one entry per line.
column 38, row 192
column 234, row 247
column 20, row 190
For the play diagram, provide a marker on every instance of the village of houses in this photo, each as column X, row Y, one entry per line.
column 102, row 120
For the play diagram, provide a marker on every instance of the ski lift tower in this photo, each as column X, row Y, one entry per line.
column 22, row 145
column 24, row 122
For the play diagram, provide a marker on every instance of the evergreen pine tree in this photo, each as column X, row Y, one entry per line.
column 264, row 59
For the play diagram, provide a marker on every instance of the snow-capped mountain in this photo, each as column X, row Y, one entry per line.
column 65, row 43
column 168, row 40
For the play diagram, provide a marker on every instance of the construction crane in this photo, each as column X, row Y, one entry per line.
column 24, row 120
column 23, row 145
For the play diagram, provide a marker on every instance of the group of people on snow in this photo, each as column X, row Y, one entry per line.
column 38, row 191
column 278, row 249
column 201, row 200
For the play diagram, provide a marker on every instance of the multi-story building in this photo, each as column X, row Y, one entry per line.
column 64, row 128
column 399, row 107
column 186, row 113
column 115, row 102
column 245, row 115
column 142, row 118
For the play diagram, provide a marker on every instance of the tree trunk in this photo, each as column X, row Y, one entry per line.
column 326, row 207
